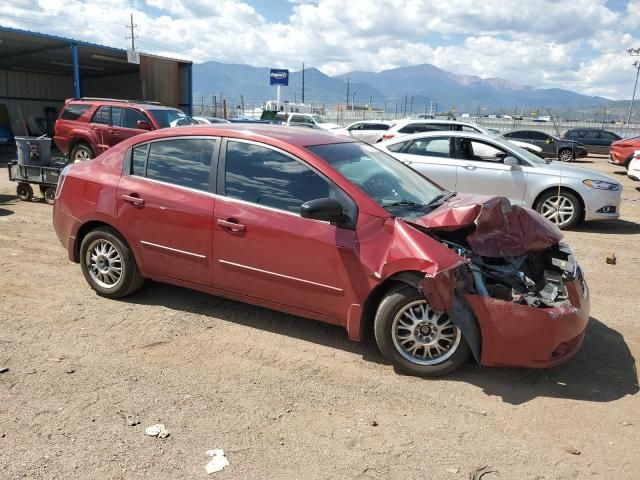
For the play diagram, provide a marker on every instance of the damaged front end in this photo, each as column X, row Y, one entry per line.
column 520, row 298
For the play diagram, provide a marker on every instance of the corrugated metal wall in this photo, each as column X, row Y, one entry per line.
column 29, row 93
column 125, row 86
column 160, row 80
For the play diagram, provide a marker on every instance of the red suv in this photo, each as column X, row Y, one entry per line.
column 328, row 228
column 89, row 126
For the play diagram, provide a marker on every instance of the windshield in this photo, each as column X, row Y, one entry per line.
column 524, row 153
column 394, row 186
column 170, row 118
column 319, row 119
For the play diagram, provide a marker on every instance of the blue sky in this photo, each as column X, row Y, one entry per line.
column 574, row 44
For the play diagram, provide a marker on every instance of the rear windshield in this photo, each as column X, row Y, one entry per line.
column 170, row 118
column 74, row 111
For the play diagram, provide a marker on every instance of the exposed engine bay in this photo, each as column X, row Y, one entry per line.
column 536, row 279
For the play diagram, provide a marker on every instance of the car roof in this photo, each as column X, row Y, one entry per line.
column 447, row 133
column 384, row 122
column 431, row 121
column 301, row 137
column 116, row 103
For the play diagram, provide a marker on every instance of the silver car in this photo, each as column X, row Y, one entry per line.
column 369, row 131
column 483, row 164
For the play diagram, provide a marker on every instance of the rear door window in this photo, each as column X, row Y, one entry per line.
column 102, row 115
column 538, row 136
column 185, row 162
column 430, row 147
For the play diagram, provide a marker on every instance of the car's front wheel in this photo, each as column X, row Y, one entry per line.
column 562, row 208
column 108, row 264
column 416, row 339
column 565, row 155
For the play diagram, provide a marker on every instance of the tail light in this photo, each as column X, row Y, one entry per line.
column 61, row 178
column 388, row 136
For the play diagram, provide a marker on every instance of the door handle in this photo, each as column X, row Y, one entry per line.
column 133, row 199
column 114, row 132
column 231, row 225
column 470, row 167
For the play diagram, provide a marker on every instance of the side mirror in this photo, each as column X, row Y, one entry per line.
column 327, row 209
column 144, row 125
column 512, row 162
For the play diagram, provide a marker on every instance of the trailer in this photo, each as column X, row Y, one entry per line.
column 46, row 178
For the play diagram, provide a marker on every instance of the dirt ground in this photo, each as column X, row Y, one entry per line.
column 288, row 398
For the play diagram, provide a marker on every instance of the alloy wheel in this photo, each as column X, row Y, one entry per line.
column 81, row 155
column 424, row 336
column 558, row 209
column 104, row 263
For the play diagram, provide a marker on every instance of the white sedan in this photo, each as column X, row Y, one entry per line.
column 476, row 163
column 369, row 131
column 633, row 171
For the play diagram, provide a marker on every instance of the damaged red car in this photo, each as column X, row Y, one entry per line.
column 331, row 229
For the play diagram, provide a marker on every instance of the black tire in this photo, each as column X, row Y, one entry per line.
column 49, row 195
column 578, row 209
column 566, row 155
column 80, row 153
column 392, row 306
column 24, row 192
column 130, row 279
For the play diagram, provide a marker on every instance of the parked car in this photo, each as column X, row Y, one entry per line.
column 622, row 151
column 482, row 164
column 328, row 228
column 87, row 127
column 633, row 172
column 369, row 130
column 553, row 147
column 596, row 140
column 409, row 126
column 317, row 120
column 210, row 120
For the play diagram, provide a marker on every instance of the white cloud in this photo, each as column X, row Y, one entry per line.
column 578, row 44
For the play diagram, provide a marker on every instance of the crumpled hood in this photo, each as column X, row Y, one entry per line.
column 501, row 229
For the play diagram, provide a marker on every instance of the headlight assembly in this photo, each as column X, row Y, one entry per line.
column 602, row 185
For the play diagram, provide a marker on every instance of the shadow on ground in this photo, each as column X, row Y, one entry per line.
column 5, row 199
column 191, row 301
column 602, row 371
column 613, row 227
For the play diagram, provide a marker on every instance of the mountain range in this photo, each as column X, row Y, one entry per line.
column 417, row 85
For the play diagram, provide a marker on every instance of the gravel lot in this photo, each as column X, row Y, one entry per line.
column 290, row 398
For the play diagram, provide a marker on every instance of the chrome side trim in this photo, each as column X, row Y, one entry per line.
column 280, row 275
column 175, row 250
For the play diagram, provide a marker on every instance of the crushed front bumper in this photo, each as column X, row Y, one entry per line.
column 516, row 335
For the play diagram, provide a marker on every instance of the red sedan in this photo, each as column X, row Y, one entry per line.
column 332, row 229
column 622, row 151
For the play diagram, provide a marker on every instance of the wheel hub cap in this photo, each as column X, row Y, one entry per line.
column 559, row 210
column 104, row 263
column 424, row 336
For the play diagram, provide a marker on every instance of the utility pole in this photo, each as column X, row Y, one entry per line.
column 370, row 100
column 353, row 103
column 411, row 111
column 348, row 85
column 634, row 52
column 405, row 103
column 303, row 83
column 133, row 35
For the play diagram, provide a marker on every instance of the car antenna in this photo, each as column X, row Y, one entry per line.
column 555, row 126
column 561, row 168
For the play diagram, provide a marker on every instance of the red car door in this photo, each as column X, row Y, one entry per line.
column 100, row 125
column 263, row 248
column 125, row 124
column 165, row 207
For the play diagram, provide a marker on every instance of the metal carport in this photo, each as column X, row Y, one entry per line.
column 39, row 71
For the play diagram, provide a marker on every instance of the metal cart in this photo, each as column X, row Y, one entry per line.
column 45, row 177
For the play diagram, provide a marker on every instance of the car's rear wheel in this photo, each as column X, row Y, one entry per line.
column 565, row 155
column 80, row 153
column 562, row 208
column 108, row 264
column 416, row 339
